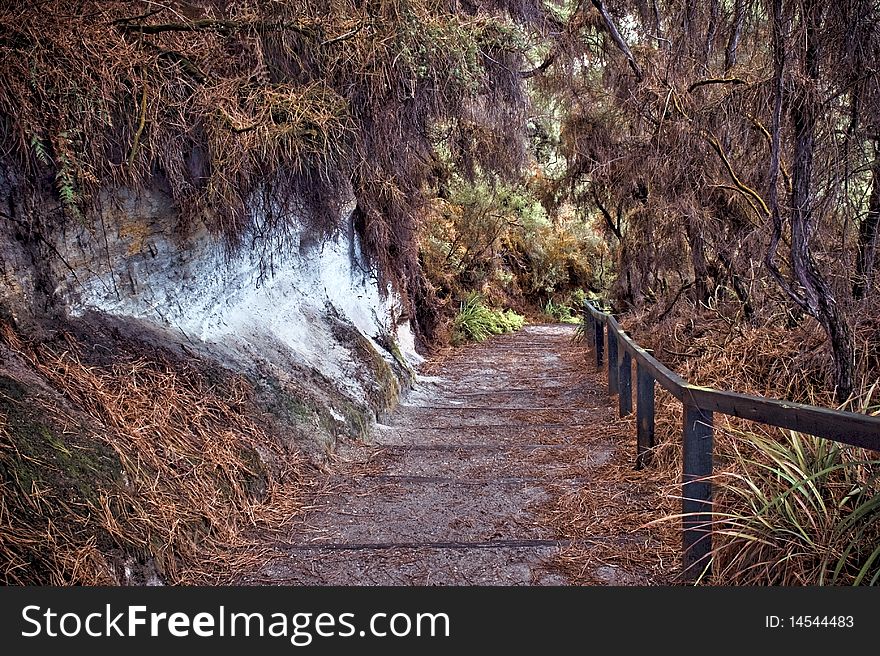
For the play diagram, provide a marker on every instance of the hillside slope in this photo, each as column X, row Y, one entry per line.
column 160, row 393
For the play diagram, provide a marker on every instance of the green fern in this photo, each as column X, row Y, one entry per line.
column 40, row 150
column 66, row 179
column 65, row 182
column 560, row 312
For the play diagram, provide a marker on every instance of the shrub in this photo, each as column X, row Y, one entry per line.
column 476, row 322
column 560, row 312
column 799, row 510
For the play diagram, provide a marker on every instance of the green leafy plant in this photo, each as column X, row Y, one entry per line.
column 560, row 312
column 799, row 510
column 500, row 239
column 476, row 322
column 40, row 151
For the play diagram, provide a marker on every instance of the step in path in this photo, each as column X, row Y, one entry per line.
column 447, row 492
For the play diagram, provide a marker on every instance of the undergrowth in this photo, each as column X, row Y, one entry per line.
column 142, row 460
column 797, row 510
column 790, row 509
column 503, row 241
column 477, row 322
column 560, row 312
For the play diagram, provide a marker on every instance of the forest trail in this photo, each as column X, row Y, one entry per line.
column 458, row 488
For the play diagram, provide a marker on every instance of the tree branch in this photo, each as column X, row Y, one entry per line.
column 214, row 25
column 745, row 197
column 769, row 138
column 142, row 121
column 132, row 19
column 687, row 284
column 343, row 37
column 185, row 64
column 605, row 213
column 547, row 63
column 717, row 80
column 730, row 54
column 743, row 188
column 618, row 40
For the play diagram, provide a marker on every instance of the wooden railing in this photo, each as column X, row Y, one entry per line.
column 700, row 403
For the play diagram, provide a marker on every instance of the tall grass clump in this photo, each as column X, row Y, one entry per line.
column 560, row 312
column 476, row 321
column 797, row 510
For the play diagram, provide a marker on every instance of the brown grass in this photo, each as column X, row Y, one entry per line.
column 709, row 347
column 199, row 479
column 712, row 347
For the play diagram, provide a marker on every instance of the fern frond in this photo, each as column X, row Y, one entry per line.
column 68, row 193
column 40, row 150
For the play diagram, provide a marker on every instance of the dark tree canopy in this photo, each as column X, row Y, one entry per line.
column 728, row 150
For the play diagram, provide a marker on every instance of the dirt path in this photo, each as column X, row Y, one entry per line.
column 456, row 490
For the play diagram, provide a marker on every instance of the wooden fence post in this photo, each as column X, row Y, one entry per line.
column 644, row 414
column 624, row 384
column 612, row 362
column 697, row 431
column 696, row 503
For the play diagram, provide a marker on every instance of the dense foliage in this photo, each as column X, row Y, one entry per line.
column 254, row 115
column 730, row 149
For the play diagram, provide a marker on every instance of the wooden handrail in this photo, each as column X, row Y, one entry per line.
column 700, row 403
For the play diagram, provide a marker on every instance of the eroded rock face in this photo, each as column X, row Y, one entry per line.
column 308, row 316
column 107, row 323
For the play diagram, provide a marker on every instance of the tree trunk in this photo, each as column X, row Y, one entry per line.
column 711, row 31
column 869, row 235
column 698, row 259
column 809, row 289
column 739, row 13
column 658, row 25
column 619, row 41
column 818, row 297
column 688, row 20
column 644, row 13
column 739, row 288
